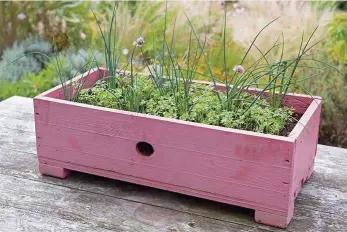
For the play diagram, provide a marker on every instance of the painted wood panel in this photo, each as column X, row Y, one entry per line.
column 306, row 134
column 210, row 184
column 161, row 185
column 169, row 158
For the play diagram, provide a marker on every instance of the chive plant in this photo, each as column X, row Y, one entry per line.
column 281, row 74
column 169, row 75
column 166, row 72
column 174, row 75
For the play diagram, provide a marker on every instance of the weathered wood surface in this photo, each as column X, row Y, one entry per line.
column 31, row 202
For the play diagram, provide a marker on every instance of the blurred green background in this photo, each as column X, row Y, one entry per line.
column 68, row 30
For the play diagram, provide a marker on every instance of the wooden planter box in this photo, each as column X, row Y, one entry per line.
column 248, row 169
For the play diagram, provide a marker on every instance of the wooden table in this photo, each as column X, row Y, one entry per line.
column 31, row 202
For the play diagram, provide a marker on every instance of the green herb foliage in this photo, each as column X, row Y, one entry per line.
column 203, row 105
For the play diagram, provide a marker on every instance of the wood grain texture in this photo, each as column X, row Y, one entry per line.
column 119, row 215
column 18, row 104
column 76, row 146
column 320, row 206
column 306, row 135
column 18, row 219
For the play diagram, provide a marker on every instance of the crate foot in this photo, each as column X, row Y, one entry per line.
column 49, row 170
column 272, row 219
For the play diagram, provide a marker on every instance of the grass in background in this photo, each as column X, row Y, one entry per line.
column 296, row 17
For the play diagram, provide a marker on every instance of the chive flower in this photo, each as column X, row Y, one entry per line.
column 139, row 42
column 239, row 69
column 21, row 16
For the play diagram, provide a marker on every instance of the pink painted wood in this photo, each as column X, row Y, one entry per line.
column 248, row 169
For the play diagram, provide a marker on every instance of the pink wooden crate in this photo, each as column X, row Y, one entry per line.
column 253, row 170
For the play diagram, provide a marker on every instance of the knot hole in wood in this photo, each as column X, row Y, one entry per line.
column 144, row 148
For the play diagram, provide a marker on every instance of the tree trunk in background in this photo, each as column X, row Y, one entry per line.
column 13, row 32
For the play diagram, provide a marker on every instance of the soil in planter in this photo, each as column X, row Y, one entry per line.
column 290, row 125
column 199, row 104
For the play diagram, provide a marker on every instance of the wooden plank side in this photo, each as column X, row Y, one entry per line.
column 101, row 211
column 216, row 191
column 122, row 151
column 250, row 146
column 305, row 145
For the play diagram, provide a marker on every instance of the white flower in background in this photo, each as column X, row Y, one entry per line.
column 139, row 42
column 63, row 26
column 82, row 35
column 40, row 28
column 239, row 69
column 239, row 10
column 21, row 16
column 125, row 51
